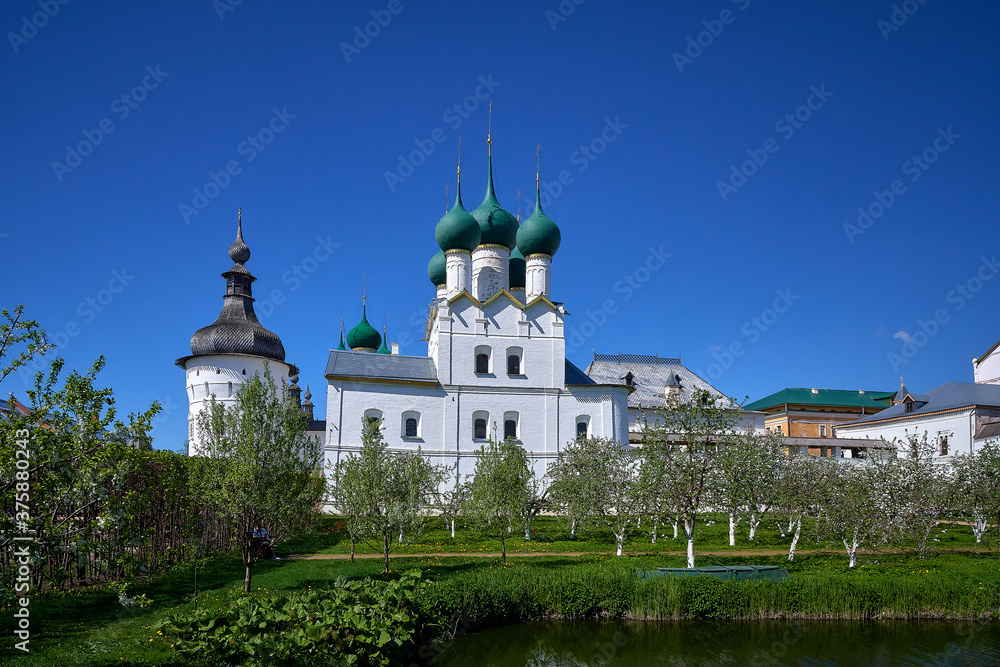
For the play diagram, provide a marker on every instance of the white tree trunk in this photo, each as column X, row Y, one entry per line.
column 754, row 522
column 675, row 530
column 852, row 549
column 452, row 527
column 400, row 535
column 689, row 533
column 572, row 529
column 795, row 539
column 732, row 530
column 621, row 538
column 655, row 527
column 527, row 529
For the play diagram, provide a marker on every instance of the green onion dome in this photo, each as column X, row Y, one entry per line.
column 383, row 349
column 364, row 337
column 457, row 229
column 517, row 269
column 497, row 225
column 436, row 269
column 539, row 235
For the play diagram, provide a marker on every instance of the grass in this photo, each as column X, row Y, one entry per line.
column 89, row 627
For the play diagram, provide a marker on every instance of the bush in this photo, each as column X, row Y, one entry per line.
column 357, row 623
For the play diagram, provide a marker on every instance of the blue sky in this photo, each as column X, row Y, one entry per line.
column 739, row 137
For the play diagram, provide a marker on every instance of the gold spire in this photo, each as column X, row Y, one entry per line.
column 489, row 132
column 538, row 165
column 364, row 290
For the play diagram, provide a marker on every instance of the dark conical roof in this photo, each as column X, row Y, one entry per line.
column 237, row 330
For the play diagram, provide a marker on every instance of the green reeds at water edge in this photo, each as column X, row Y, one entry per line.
column 511, row 594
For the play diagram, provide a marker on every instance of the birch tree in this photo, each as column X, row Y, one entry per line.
column 802, row 490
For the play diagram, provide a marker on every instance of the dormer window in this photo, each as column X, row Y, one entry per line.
column 629, row 379
column 908, row 404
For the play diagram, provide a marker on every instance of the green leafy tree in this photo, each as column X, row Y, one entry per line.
column 383, row 494
column 24, row 336
column 600, row 479
column 268, row 472
column 78, row 458
column 498, row 491
column 679, row 455
column 922, row 489
column 746, row 478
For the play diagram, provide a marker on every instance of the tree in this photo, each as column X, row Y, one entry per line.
column 536, row 501
column 15, row 331
column 679, row 450
column 601, row 478
column 383, row 494
column 499, row 490
column 576, row 481
column 64, row 483
column 922, row 489
column 268, row 473
column 976, row 485
column 802, row 489
column 449, row 501
column 861, row 504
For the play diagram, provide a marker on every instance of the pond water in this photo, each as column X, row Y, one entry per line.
column 709, row 643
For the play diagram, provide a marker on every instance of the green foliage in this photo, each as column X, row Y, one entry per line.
column 383, row 495
column 24, row 335
column 266, row 471
column 499, row 490
column 349, row 623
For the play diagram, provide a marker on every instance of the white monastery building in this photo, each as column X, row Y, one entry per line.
column 496, row 362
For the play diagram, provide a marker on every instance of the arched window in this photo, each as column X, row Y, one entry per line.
column 513, row 365
column 410, row 424
column 514, row 358
column 411, row 427
column 581, row 430
column 230, row 388
column 509, row 429
column 482, row 363
column 479, row 429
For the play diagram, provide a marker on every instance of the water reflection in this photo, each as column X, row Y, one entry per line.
column 711, row 644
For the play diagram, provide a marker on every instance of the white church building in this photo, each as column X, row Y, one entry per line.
column 496, row 362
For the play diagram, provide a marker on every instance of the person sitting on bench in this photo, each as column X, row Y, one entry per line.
column 266, row 542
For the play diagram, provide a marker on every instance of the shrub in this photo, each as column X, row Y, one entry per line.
column 358, row 623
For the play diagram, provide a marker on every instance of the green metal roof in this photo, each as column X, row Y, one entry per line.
column 539, row 235
column 364, row 336
column 457, row 229
column 496, row 224
column 840, row 398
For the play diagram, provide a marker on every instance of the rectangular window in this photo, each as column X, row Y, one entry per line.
column 822, row 430
column 411, row 427
column 581, row 430
column 944, row 445
column 479, row 430
column 510, row 430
